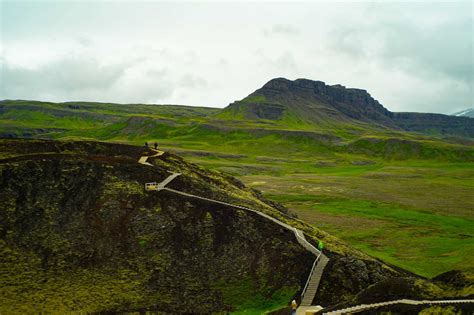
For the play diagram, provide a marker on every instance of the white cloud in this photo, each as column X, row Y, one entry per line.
column 281, row 29
column 412, row 57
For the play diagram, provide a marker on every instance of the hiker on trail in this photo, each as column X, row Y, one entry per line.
column 156, row 145
column 146, row 145
column 320, row 245
column 293, row 307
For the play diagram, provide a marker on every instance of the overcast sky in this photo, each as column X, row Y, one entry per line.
column 409, row 56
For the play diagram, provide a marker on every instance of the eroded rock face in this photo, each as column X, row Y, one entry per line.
column 353, row 103
column 436, row 123
column 318, row 103
column 344, row 277
column 85, row 227
column 455, row 278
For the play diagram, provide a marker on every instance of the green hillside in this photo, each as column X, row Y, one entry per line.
column 409, row 193
column 80, row 234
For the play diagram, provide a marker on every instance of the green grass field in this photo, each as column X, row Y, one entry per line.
column 416, row 215
column 407, row 202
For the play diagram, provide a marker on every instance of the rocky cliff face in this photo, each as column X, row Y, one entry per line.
column 436, row 124
column 355, row 103
column 318, row 103
column 79, row 233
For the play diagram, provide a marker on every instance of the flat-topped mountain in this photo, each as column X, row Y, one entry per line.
column 311, row 101
column 305, row 101
column 280, row 104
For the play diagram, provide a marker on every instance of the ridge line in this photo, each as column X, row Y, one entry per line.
column 314, row 277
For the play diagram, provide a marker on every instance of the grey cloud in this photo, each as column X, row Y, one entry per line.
column 85, row 42
column 222, row 62
column 84, row 79
column 286, row 61
column 443, row 50
column 411, row 56
column 63, row 76
column 191, row 81
column 156, row 73
column 282, row 63
column 281, row 29
column 137, row 88
column 425, row 57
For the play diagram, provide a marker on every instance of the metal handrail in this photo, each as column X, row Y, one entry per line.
column 300, row 238
column 310, row 274
column 363, row 307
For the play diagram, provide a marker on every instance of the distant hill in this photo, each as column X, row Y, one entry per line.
column 310, row 102
column 465, row 113
column 303, row 101
column 302, row 115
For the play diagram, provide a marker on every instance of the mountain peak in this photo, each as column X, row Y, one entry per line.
column 465, row 113
column 304, row 103
column 301, row 84
column 310, row 101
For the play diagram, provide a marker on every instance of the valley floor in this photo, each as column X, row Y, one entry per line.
column 413, row 214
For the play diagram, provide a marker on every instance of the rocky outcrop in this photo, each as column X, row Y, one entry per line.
column 345, row 276
column 399, row 149
column 75, row 219
column 436, row 124
column 456, row 278
column 355, row 103
column 311, row 101
column 318, row 103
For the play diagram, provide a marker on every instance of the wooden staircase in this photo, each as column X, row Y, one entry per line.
column 315, row 278
column 312, row 284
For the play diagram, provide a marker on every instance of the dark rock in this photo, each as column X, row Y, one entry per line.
column 435, row 124
column 362, row 162
column 455, row 278
column 345, row 276
column 390, row 289
column 66, row 215
column 315, row 102
column 325, row 164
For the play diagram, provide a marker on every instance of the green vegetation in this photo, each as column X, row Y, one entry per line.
column 395, row 234
column 254, row 98
column 411, row 215
column 83, row 290
column 402, row 197
column 86, row 237
column 249, row 300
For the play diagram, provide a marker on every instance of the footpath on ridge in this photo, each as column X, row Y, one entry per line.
column 315, row 276
column 311, row 286
column 365, row 307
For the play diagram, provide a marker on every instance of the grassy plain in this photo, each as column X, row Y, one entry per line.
column 412, row 206
column 413, row 214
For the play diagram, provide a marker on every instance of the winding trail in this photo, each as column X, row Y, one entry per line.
column 144, row 159
column 314, row 278
column 364, row 307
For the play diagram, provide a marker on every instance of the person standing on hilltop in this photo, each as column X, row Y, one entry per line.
column 156, row 146
column 146, row 145
column 294, row 306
